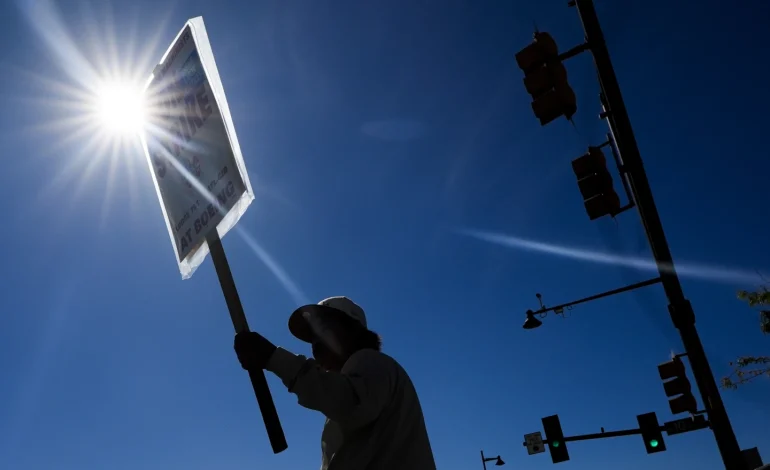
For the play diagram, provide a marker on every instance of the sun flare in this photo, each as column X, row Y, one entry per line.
column 120, row 108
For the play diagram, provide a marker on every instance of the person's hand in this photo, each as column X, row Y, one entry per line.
column 253, row 350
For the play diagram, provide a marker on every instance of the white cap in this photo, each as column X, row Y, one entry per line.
column 299, row 327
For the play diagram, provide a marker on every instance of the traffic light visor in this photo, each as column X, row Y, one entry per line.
column 671, row 369
column 683, row 404
column 604, row 204
column 589, row 164
column 544, row 78
column 677, row 386
column 559, row 101
column 540, row 51
column 595, row 184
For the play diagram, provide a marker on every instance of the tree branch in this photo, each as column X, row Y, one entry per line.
column 748, row 368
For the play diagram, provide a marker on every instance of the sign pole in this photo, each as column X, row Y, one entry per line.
column 200, row 175
column 258, row 380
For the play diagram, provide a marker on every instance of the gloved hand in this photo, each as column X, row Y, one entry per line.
column 253, row 350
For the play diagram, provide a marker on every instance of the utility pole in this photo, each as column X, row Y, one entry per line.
column 679, row 307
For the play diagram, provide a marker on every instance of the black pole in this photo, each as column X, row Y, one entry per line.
column 483, row 460
column 602, row 435
column 679, row 307
column 646, row 283
column 258, row 380
column 629, row 432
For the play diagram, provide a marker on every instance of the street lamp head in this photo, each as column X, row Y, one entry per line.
column 499, row 461
column 531, row 322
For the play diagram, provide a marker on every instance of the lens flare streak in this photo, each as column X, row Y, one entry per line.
column 272, row 265
column 692, row 270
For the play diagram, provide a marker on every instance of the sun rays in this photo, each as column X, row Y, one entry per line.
column 94, row 110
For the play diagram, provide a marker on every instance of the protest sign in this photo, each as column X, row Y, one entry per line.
column 199, row 174
column 192, row 148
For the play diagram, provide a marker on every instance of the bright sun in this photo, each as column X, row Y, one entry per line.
column 120, row 108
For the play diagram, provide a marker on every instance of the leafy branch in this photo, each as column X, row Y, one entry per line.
column 757, row 299
column 748, row 368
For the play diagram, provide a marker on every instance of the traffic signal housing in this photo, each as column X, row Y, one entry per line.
column 555, row 438
column 545, row 78
column 677, row 387
column 653, row 438
column 595, row 184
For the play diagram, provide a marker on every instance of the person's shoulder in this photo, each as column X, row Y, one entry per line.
column 372, row 357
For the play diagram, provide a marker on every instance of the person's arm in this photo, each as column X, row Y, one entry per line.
column 352, row 398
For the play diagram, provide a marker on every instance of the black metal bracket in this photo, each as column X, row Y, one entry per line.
column 575, row 51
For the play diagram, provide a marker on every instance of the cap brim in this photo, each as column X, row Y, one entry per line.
column 299, row 326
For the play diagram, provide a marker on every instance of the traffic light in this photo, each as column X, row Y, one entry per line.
column 676, row 385
column 653, row 438
column 545, row 78
column 555, row 438
column 595, row 183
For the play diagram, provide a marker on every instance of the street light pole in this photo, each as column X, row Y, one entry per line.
column 679, row 307
column 484, row 460
column 619, row 290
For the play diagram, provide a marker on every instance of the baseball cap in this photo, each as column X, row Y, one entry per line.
column 339, row 305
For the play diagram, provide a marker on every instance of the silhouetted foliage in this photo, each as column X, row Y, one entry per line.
column 748, row 368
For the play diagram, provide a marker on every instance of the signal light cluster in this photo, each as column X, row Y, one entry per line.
column 545, row 78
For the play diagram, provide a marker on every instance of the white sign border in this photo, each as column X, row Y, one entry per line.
column 195, row 258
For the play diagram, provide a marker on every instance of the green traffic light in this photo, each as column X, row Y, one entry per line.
column 556, row 443
column 653, row 443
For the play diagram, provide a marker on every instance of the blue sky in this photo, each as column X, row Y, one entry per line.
column 372, row 130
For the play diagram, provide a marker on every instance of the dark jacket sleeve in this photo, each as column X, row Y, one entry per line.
column 353, row 397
